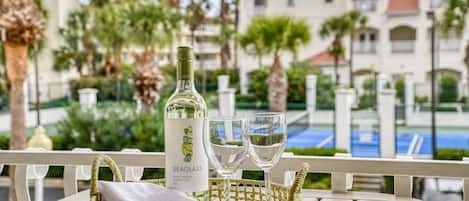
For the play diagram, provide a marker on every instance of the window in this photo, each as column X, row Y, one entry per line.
column 260, row 2
column 372, row 37
column 362, row 37
column 291, row 3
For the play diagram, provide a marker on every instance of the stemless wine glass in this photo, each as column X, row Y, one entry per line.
column 266, row 139
column 226, row 146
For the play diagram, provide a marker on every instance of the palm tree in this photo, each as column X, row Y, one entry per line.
column 108, row 28
column 337, row 27
column 357, row 20
column 276, row 34
column 251, row 41
column 196, row 15
column 454, row 20
column 236, row 29
column 79, row 48
column 225, row 34
column 299, row 35
column 23, row 23
column 151, row 26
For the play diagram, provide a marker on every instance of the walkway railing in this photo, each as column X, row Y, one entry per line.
column 403, row 170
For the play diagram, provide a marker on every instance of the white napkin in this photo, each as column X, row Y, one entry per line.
column 120, row 191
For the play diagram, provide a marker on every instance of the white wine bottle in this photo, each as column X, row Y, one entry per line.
column 186, row 162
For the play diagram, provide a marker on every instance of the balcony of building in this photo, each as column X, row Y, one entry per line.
column 402, row 40
column 365, row 5
column 366, row 41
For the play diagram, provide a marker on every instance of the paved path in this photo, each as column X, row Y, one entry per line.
column 53, row 115
column 48, row 116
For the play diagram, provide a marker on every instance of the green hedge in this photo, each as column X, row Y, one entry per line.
column 451, row 154
column 109, row 89
column 58, row 102
column 296, row 73
column 169, row 72
column 448, row 89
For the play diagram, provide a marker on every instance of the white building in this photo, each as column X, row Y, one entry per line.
column 396, row 39
column 55, row 84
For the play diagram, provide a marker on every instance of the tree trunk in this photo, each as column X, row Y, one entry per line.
column 351, row 79
column 260, row 61
column 336, row 70
column 466, row 61
column 192, row 38
column 224, row 56
column 278, row 86
column 89, row 57
column 236, row 25
column 225, row 48
column 16, row 56
column 147, row 109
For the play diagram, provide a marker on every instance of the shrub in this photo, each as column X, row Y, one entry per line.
column 108, row 88
column 314, row 151
column 296, row 84
column 421, row 99
column 451, row 154
column 368, row 99
column 399, row 85
column 448, row 89
column 3, row 88
column 112, row 128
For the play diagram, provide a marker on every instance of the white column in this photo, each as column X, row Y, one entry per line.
column 409, row 96
column 381, row 82
column 223, row 82
column 226, row 102
column 243, row 79
column 386, row 104
column 311, row 81
column 88, row 98
column 343, row 118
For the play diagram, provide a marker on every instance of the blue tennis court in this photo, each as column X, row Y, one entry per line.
column 367, row 144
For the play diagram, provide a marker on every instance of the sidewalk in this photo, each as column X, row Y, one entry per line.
column 48, row 116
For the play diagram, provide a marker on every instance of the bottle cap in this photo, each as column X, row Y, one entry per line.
column 184, row 53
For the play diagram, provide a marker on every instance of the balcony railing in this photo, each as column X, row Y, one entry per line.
column 365, row 48
column 365, row 5
column 402, row 46
column 402, row 169
column 450, row 44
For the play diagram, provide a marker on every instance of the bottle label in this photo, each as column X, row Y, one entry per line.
column 186, row 162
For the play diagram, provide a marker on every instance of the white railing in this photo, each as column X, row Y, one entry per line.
column 365, row 47
column 402, row 169
column 365, row 5
column 449, row 44
column 402, row 46
column 207, row 46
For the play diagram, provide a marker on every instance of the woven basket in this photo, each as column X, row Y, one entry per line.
column 241, row 189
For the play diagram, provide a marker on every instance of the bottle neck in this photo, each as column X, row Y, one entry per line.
column 185, row 76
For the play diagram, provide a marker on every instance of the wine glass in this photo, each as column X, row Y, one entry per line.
column 266, row 139
column 226, row 147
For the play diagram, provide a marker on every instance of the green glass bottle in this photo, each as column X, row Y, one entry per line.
column 186, row 162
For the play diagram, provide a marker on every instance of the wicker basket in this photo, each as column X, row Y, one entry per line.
column 241, row 189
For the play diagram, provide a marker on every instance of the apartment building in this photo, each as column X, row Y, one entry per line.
column 394, row 42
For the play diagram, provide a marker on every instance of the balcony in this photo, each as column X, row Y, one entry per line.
column 449, row 44
column 403, row 169
column 365, row 5
column 403, row 46
column 365, row 48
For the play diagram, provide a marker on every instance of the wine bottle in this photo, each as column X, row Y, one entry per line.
column 186, row 162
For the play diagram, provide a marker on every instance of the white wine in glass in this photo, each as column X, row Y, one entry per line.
column 267, row 135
